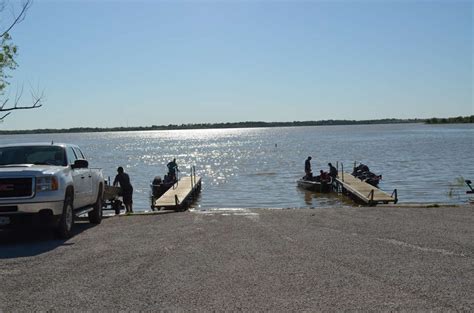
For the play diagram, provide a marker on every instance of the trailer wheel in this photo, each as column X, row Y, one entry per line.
column 95, row 216
column 66, row 222
column 117, row 205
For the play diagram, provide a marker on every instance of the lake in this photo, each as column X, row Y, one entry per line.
column 258, row 167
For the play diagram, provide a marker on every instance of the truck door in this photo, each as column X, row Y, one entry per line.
column 89, row 196
column 79, row 176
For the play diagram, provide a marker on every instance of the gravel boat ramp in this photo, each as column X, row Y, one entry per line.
column 384, row 258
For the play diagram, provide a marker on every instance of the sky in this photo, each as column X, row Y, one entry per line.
column 142, row 63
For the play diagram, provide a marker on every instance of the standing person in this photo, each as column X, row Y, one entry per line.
column 307, row 168
column 123, row 180
column 172, row 169
column 332, row 171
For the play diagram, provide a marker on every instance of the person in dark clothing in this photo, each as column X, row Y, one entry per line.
column 307, row 168
column 123, row 180
column 332, row 171
column 172, row 169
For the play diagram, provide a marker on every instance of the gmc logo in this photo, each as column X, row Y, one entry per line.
column 7, row 187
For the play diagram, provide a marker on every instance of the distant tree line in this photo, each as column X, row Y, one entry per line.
column 249, row 124
column 214, row 125
column 451, row 120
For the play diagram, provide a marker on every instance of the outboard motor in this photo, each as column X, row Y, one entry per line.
column 468, row 183
column 156, row 186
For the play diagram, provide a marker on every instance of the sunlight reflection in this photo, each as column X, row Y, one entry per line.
column 199, row 134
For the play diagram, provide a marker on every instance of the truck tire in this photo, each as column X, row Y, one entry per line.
column 66, row 222
column 95, row 216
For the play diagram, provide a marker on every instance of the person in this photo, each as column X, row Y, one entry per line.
column 324, row 176
column 123, row 180
column 307, row 168
column 172, row 169
column 332, row 171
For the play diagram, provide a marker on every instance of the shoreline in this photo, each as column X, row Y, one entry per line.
column 248, row 124
column 419, row 205
column 236, row 125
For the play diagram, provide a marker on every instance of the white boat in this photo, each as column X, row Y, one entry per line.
column 315, row 184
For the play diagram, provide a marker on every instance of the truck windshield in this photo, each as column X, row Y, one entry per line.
column 40, row 155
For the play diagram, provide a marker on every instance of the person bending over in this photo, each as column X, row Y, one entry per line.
column 123, row 180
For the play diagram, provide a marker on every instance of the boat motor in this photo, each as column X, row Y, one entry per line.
column 468, row 182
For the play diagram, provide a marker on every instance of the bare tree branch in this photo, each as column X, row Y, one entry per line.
column 1, row 118
column 25, row 6
column 37, row 102
column 18, row 95
column 37, row 98
column 3, row 104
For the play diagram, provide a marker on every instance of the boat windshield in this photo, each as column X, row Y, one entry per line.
column 38, row 155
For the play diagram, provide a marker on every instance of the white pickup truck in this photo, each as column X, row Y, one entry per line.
column 48, row 184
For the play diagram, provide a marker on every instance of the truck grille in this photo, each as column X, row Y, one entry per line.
column 4, row 209
column 16, row 187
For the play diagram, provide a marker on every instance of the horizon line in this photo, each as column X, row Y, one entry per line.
column 246, row 124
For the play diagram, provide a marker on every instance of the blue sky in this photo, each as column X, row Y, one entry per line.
column 142, row 63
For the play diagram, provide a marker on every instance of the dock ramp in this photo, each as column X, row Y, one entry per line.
column 362, row 191
column 180, row 195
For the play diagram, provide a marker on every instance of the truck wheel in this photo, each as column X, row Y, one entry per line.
column 66, row 222
column 95, row 216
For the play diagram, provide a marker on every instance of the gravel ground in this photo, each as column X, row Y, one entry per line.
column 327, row 259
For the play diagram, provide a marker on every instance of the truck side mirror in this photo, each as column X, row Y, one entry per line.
column 80, row 163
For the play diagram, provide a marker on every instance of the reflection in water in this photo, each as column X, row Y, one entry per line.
column 252, row 168
column 308, row 197
column 318, row 199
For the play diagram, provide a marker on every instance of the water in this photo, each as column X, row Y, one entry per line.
column 258, row 168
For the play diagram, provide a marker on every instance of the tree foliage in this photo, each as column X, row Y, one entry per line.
column 7, row 60
column 451, row 120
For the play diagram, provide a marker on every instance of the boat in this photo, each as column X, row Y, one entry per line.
column 315, row 184
column 363, row 172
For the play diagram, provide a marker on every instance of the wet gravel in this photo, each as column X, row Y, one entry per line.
column 328, row 259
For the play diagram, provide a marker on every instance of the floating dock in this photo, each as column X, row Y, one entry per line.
column 362, row 191
column 180, row 195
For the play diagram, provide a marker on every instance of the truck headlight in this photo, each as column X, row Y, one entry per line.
column 46, row 183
